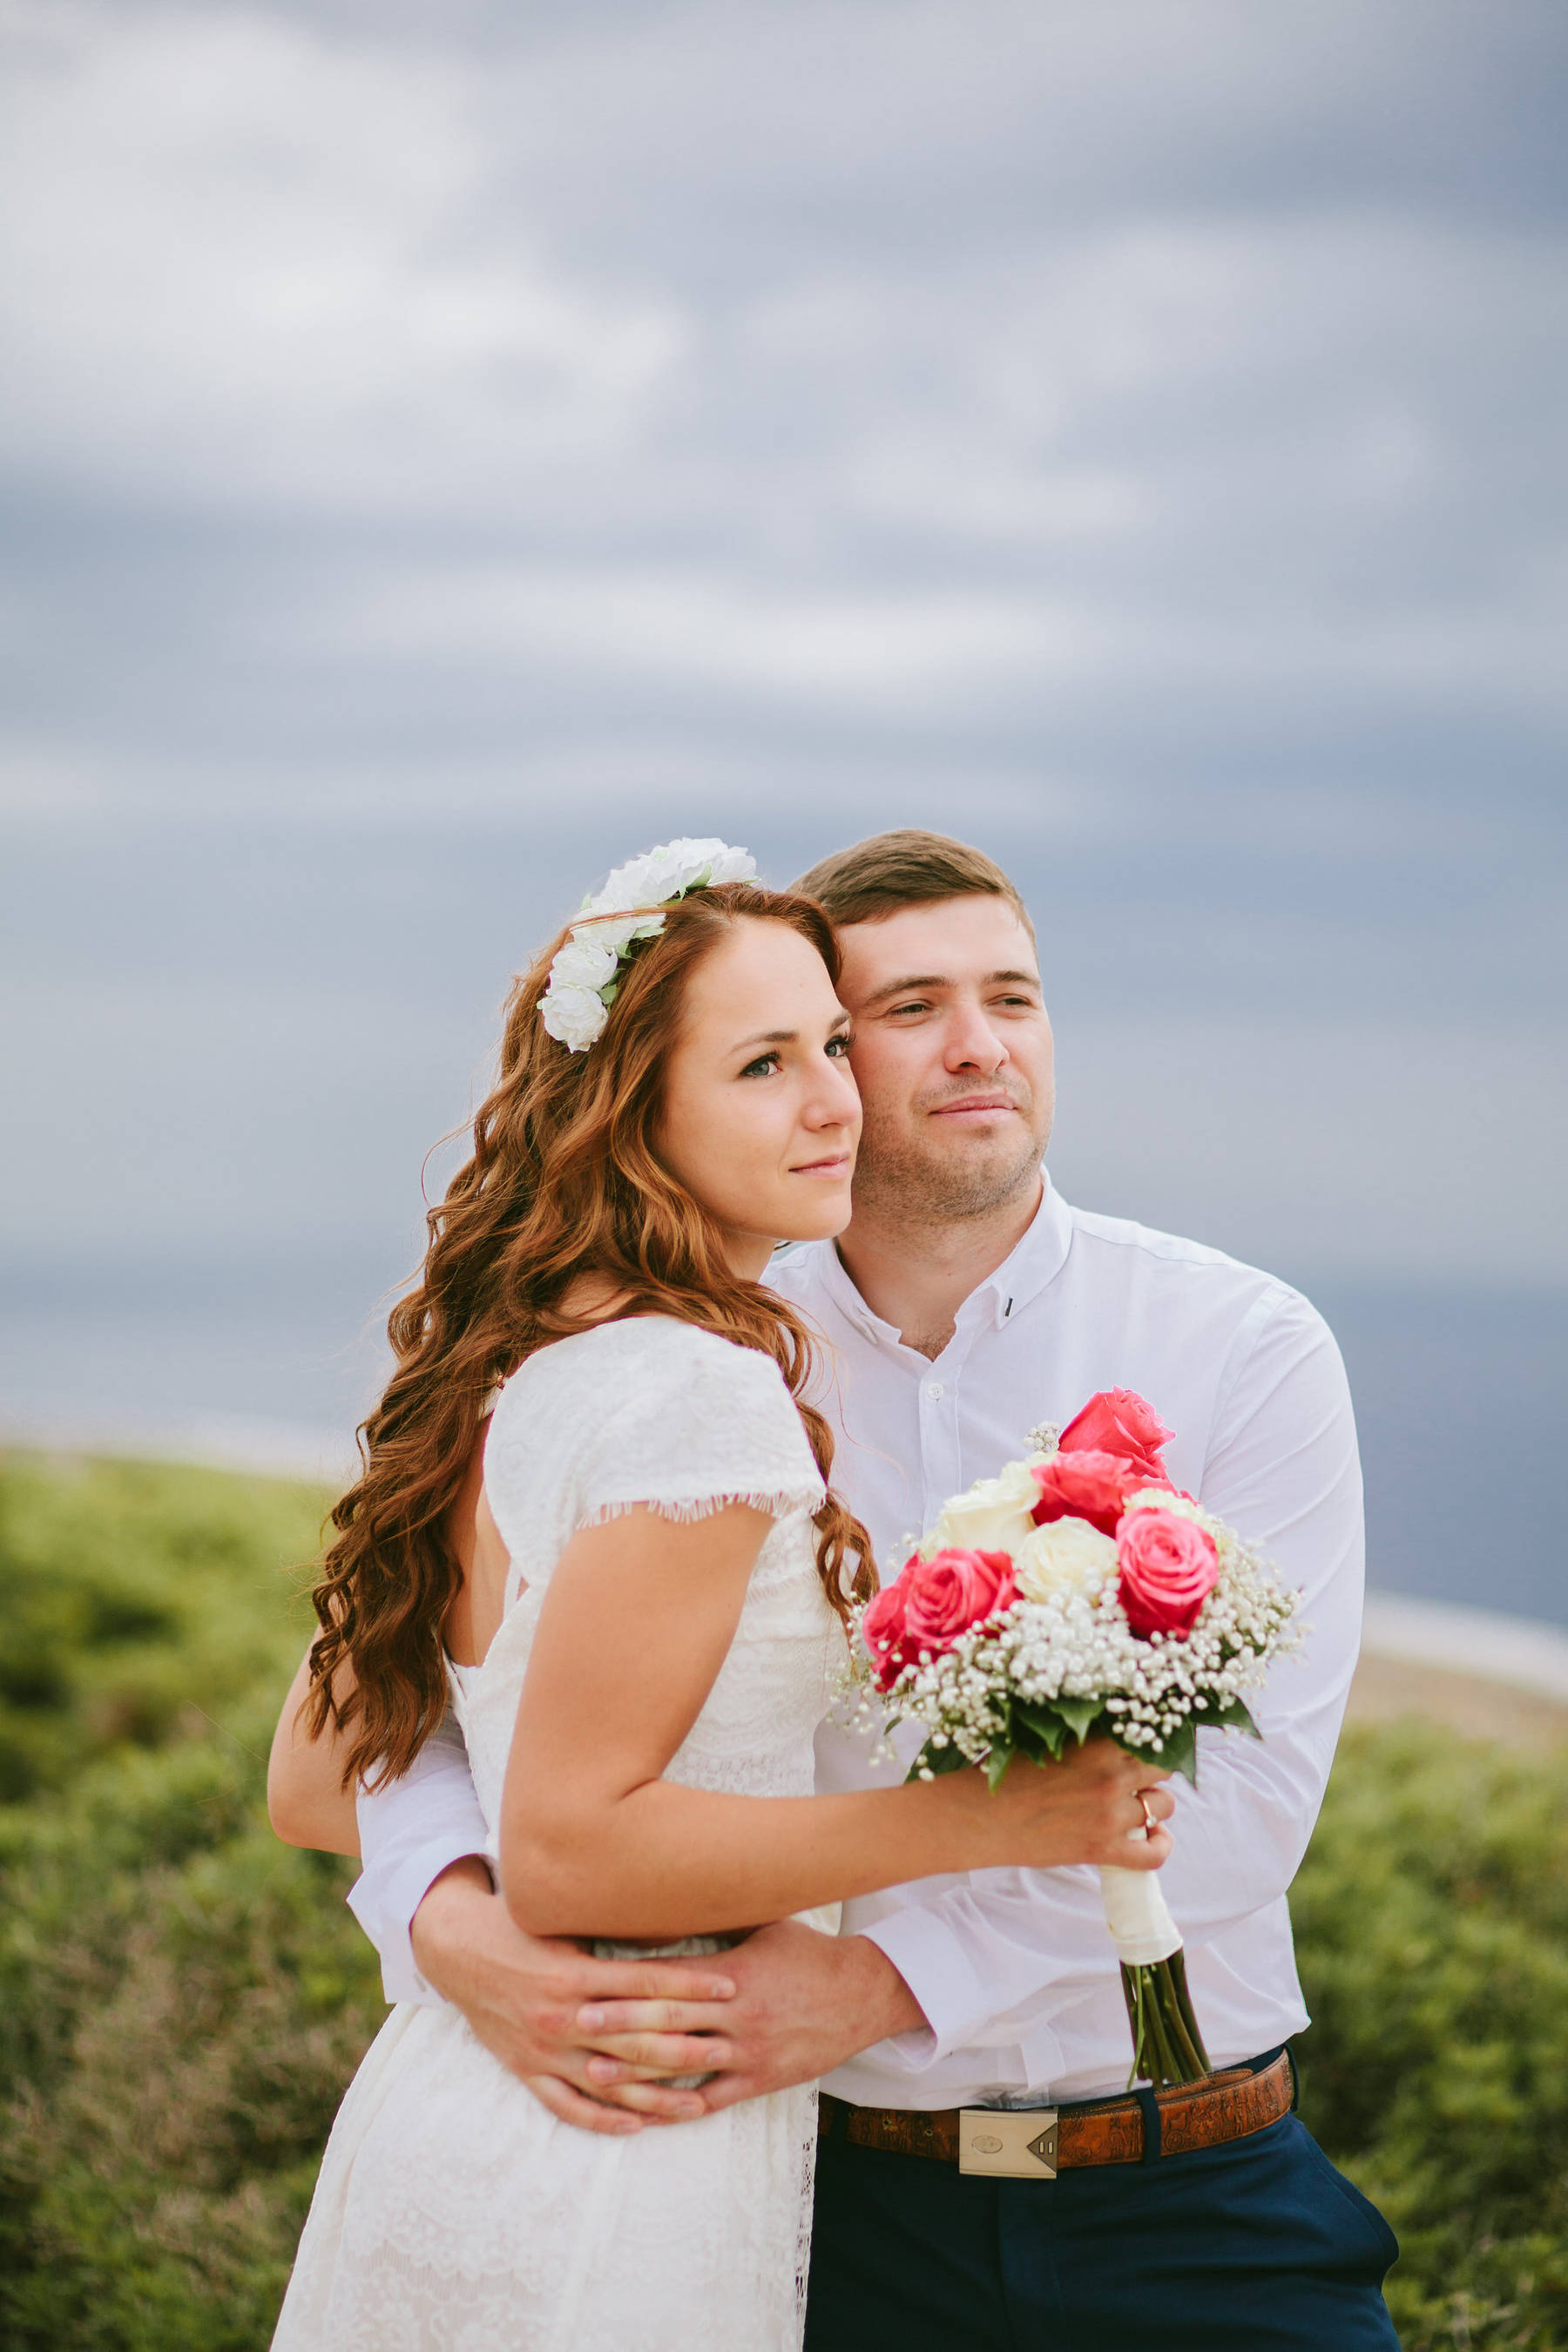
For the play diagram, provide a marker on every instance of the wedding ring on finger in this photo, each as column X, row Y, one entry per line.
column 1150, row 1823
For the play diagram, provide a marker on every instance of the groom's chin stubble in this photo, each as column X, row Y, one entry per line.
column 896, row 1181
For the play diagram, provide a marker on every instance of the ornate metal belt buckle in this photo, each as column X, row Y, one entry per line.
column 1018, row 2144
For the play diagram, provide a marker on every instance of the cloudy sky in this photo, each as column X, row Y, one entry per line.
column 445, row 448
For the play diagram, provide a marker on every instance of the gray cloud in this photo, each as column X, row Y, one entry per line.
column 443, row 449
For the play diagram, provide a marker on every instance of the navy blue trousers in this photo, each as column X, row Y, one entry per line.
column 1258, row 2246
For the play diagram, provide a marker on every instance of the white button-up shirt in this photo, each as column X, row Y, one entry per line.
column 1013, row 1968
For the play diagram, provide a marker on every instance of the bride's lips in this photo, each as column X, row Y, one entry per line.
column 838, row 1165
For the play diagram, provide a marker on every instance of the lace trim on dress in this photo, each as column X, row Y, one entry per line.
column 701, row 1507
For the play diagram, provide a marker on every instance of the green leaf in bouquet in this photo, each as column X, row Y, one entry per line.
column 931, row 1758
column 1179, row 1753
column 1041, row 1718
column 997, row 1761
column 1026, row 1742
column 1234, row 1716
column 1079, row 1714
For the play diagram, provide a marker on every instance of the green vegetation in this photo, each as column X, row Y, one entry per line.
column 1432, row 1926
column 181, row 1999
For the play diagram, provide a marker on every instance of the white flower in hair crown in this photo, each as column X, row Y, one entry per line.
column 585, row 973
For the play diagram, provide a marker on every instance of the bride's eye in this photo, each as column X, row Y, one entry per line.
column 764, row 1066
column 837, row 1047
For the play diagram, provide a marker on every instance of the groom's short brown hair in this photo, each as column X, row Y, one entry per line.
column 908, row 867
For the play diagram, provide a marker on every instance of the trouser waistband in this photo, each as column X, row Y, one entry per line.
column 1037, row 2143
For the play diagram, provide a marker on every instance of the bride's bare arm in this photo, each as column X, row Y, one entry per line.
column 632, row 1632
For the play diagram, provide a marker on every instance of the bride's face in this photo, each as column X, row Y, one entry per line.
column 760, row 1115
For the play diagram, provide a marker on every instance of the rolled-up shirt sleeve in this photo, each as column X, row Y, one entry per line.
column 994, row 1958
column 410, row 1830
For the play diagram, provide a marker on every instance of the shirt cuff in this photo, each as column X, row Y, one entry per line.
column 390, row 1889
column 932, row 1962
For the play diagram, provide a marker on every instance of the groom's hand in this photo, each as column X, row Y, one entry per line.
column 524, row 1997
column 803, row 2003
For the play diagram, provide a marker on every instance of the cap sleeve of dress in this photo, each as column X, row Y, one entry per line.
column 700, row 1422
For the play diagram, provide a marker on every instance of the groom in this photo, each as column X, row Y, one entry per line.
column 965, row 1303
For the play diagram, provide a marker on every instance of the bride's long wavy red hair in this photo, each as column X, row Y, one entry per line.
column 566, row 1179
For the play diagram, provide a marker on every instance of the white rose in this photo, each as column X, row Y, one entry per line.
column 1068, row 1554
column 663, row 873
column 618, row 935
column 691, row 853
column 622, row 890
column 993, row 1515
column 587, row 960
column 732, row 865
column 574, row 1015
column 1181, row 1506
column 637, row 883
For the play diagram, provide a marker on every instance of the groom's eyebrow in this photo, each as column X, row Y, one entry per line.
column 942, row 980
column 900, row 987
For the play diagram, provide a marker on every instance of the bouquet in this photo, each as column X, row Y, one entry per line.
column 1080, row 1591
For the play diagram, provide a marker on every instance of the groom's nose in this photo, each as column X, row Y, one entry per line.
column 971, row 1042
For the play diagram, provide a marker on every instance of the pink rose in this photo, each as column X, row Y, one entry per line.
column 930, row 1603
column 953, row 1591
column 1091, row 1485
column 883, row 1626
column 1120, row 1422
column 1168, row 1569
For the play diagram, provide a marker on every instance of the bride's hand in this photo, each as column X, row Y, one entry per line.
column 1089, row 1808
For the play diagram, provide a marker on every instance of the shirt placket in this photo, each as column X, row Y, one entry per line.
column 942, row 1455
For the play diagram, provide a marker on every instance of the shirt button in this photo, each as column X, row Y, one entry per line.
column 935, row 1390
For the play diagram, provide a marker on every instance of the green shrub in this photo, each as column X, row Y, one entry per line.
column 183, row 2000
column 1432, row 1926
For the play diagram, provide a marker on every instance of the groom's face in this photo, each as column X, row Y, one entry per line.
column 953, row 1056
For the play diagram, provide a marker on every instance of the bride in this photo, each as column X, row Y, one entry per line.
column 640, row 1646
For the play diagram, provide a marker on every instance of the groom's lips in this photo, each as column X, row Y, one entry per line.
column 967, row 1105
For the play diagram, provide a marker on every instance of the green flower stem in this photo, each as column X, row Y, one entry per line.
column 1167, row 2047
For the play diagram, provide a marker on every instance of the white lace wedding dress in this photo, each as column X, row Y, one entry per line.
column 453, row 2213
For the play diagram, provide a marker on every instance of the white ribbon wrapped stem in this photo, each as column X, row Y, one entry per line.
column 1140, row 1927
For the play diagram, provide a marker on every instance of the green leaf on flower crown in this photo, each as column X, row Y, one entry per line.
column 1179, row 1753
column 607, row 995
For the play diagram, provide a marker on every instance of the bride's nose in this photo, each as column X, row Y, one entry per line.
column 835, row 1099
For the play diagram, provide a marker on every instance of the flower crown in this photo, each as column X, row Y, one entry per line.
column 585, row 973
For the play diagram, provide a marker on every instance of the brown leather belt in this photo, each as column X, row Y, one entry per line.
column 1037, row 2143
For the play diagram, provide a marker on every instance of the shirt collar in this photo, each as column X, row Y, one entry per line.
column 1036, row 1259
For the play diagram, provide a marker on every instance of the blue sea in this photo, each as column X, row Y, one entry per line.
column 1462, row 1396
